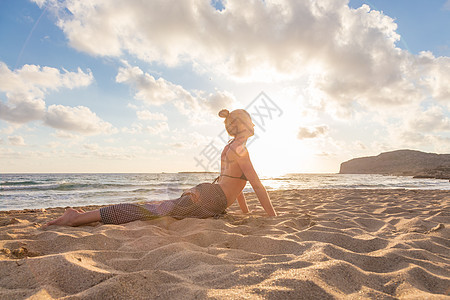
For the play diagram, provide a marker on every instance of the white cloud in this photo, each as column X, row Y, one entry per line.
column 414, row 140
column 148, row 115
column 26, row 88
column 179, row 145
column 16, row 140
column 110, row 153
column 447, row 5
column 349, row 54
column 312, row 132
column 35, row 80
column 427, row 129
column 157, row 129
column 441, row 144
column 54, row 145
column 216, row 101
column 160, row 91
column 20, row 110
column 91, row 146
column 148, row 89
column 9, row 153
column 434, row 74
column 431, row 120
column 347, row 60
column 182, row 138
column 65, row 135
column 79, row 119
column 10, row 129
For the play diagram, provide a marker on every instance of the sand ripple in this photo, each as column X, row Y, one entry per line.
column 325, row 244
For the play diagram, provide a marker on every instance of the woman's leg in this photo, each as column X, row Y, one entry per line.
column 124, row 213
column 72, row 217
column 206, row 200
column 203, row 201
column 113, row 214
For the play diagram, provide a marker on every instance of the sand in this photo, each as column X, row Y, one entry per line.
column 325, row 244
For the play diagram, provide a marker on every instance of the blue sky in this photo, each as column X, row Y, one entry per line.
column 114, row 86
column 421, row 24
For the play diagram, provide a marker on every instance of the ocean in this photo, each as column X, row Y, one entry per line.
column 32, row 191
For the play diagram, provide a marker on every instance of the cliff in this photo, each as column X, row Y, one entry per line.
column 401, row 162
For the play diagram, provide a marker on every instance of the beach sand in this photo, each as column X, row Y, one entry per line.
column 325, row 244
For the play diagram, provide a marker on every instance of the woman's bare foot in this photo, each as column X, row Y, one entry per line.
column 67, row 219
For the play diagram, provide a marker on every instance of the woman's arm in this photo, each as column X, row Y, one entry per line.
column 263, row 197
column 242, row 203
column 246, row 165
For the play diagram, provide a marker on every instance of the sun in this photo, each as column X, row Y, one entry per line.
column 277, row 152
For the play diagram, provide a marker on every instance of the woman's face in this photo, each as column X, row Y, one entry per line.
column 251, row 128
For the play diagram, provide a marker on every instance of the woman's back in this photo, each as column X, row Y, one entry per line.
column 232, row 179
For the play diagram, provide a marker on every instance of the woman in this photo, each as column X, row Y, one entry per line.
column 202, row 201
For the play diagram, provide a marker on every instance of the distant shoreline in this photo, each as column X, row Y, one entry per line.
column 420, row 165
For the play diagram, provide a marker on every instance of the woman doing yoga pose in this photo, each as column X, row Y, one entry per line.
column 202, row 201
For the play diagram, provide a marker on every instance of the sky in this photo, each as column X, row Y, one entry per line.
column 136, row 86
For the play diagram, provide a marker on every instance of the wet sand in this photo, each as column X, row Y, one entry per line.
column 325, row 244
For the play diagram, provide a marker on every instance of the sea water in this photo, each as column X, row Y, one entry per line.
column 21, row 191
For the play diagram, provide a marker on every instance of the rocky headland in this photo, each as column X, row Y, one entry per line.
column 401, row 162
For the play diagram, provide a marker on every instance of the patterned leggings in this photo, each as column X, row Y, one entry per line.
column 203, row 201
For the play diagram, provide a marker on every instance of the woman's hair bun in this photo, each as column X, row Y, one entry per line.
column 224, row 113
